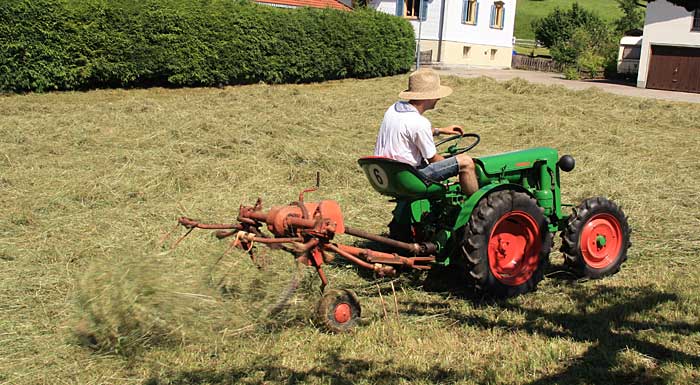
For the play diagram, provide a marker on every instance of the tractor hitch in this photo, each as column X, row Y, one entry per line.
column 307, row 231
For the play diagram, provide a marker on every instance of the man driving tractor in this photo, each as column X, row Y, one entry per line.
column 407, row 136
column 500, row 237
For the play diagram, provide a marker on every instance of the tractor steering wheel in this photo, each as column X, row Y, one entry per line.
column 454, row 149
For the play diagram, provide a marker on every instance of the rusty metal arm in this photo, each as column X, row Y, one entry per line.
column 378, row 257
column 380, row 269
column 413, row 248
column 191, row 223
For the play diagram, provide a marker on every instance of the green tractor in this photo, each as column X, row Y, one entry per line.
column 502, row 234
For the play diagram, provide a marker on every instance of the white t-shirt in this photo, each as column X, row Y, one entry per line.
column 405, row 135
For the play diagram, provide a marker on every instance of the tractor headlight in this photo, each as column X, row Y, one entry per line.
column 566, row 163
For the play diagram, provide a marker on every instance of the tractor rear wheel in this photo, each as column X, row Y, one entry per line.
column 596, row 238
column 507, row 243
column 338, row 310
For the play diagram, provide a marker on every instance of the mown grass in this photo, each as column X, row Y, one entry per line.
column 531, row 50
column 529, row 10
column 90, row 182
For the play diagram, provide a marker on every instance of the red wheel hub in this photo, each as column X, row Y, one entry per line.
column 342, row 313
column 514, row 248
column 601, row 241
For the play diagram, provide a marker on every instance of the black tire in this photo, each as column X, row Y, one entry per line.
column 497, row 219
column 338, row 311
column 592, row 217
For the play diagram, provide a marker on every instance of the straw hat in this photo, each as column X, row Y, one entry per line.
column 424, row 84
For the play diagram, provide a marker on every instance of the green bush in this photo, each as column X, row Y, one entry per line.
column 580, row 40
column 571, row 73
column 560, row 24
column 35, row 46
column 588, row 50
column 591, row 63
column 71, row 44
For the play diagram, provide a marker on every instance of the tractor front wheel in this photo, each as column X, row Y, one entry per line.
column 596, row 238
column 507, row 243
column 338, row 310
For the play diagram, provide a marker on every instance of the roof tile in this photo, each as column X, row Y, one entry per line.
column 335, row 4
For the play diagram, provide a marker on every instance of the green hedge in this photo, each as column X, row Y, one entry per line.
column 64, row 44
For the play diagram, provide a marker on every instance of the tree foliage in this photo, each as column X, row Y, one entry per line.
column 577, row 38
column 632, row 18
column 587, row 50
column 560, row 24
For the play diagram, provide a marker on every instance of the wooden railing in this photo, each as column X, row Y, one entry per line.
column 524, row 62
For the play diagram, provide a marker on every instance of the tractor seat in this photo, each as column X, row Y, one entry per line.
column 398, row 179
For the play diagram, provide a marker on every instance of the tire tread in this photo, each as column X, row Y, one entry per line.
column 570, row 236
column 474, row 243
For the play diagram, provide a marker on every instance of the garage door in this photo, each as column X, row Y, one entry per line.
column 674, row 68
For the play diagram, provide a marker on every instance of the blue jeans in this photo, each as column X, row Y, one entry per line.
column 441, row 170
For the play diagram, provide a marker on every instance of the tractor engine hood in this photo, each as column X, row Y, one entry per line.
column 516, row 160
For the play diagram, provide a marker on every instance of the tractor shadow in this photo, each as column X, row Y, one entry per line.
column 611, row 330
column 623, row 346
column 451, row 281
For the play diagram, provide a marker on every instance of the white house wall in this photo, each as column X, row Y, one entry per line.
column 429, row 28
column 488, row 46
column 481, row 33
column 665, row 24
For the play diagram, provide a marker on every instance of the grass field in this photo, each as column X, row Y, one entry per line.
column 530, row 50
column 529, row 10
column 90, row 182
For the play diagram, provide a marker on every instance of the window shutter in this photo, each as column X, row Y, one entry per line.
column 493, row 16
column 503, row 18
column 476, row 18
column 399, row 7
column 465, row 9
column 424, row 10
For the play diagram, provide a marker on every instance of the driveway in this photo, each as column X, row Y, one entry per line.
column 625, row 89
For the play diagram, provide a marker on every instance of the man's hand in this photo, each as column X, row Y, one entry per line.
column 451, row 130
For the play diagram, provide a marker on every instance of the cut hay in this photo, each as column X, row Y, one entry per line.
column 90, row 182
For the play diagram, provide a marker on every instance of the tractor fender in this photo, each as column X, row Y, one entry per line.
column 468, row 206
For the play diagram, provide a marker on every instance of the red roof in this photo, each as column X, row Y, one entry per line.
column 309, row 3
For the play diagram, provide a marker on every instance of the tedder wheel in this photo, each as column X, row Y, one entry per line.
column 596, row 239
column 507, row 243
column 338, row 310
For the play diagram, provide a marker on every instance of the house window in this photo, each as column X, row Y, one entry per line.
column 470, row 12
column 412, row 9
column 498, row 13
column 465, row 51
column 696, row 21
column 493, row 54
column 631, row 52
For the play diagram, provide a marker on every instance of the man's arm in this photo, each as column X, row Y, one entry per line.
column 449, row 130
column 436, row 158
